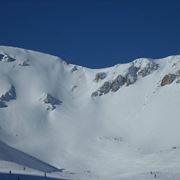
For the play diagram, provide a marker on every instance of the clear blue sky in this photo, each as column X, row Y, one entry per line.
column 93, row 33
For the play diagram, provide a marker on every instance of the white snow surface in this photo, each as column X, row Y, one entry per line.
column 120, row 135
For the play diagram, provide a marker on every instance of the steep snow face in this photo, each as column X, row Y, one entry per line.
column 103, row 121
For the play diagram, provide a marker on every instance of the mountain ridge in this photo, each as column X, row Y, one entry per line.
column 106, row 122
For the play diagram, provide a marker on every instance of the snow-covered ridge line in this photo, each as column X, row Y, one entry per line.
column 137, row 62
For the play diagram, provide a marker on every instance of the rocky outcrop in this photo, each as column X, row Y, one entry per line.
column 6, row 58
column 168, row 79
column 8, row 96
column 117, row 83
column 1, row 57
column 134, row 71
column 148, row 69
column 110, row 86
column 104, row 89
column 74, row 69
column 100, row 76
column 131, row 75
column 51, row 101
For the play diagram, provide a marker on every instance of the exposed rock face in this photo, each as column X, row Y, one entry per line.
column 117, row 83
column 51, row 101
column 74, row 69
column 6, row 58
column 104, row 89
column 148, row 69
column 131, row 75
column 1, row 57
column 133, row 72
column 110, row 86
column 8, row 96
column 168, row 79
column 100, row 76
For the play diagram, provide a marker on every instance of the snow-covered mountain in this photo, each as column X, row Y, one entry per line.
column 120, row 122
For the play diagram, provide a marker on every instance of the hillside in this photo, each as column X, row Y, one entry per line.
column 121, row 121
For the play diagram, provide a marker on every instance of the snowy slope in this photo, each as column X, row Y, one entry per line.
column 10, row 154
column 121, row 121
